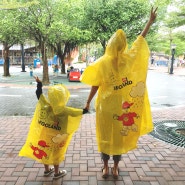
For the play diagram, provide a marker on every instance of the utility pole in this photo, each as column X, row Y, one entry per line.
column 22, row 58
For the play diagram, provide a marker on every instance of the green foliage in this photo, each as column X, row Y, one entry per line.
column 176, row 16
column 170, row 31
column 103, row 18
column 10, row 32
column 65, row 27
column 78, row 22
column 14, row 4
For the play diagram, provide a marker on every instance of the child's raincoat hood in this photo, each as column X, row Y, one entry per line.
column 58, row 96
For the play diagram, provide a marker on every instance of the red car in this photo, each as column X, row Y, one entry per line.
column 74, row 75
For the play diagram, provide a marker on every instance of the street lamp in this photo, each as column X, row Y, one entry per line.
column 173, row 46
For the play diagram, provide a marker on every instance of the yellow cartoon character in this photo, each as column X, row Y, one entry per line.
column 60, row 139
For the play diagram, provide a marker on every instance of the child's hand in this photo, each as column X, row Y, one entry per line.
column 37, row 79
column 85, row 111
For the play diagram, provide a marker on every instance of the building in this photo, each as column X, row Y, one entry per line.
column 30, row 53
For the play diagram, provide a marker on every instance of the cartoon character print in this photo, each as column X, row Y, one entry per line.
column 45, row 115
column 58, row 142
column 137, row 92
column 39, row 152
column 127, row 119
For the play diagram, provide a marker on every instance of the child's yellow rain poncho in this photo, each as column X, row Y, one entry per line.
column 122, row 106
column 52, row 127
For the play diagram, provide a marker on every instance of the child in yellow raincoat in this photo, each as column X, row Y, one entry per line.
column 51, row 130
column 122, row 106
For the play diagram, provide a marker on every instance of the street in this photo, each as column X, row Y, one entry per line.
column 164, row 91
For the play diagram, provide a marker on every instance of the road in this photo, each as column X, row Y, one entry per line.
column 164, row 91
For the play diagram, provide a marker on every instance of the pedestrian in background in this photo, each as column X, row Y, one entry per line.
column 122, row 107
column 152, row 61
column 56, row 69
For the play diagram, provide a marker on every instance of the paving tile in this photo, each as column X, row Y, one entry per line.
column 153, row 163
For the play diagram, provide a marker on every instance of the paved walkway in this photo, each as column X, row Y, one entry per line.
column 153, row 163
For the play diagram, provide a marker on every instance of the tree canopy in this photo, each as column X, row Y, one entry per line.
column 62, row 25
column 171, row 29
column 104, row 17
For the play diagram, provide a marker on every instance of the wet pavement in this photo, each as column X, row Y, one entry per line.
column 154, row 162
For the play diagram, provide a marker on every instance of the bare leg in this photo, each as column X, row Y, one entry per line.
column 115, row 169
column 46, row 167
column 105, row 158
column 105, row 169
column 56, row 167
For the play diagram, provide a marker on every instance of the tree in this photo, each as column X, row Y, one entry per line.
column 65, row 33
column 37, row 20
column 176, row 15
column 14, row 4
column 104, row 17
column 173, row 21
column 10, row 34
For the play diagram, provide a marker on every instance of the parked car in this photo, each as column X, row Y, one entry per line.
column 74, row 75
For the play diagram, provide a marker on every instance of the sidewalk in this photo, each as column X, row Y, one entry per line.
column 154, row 162
column 180, row 71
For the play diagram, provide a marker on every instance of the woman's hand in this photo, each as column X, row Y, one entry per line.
column 153, row 14
column 87, row 106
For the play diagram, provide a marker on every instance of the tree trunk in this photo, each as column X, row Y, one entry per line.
column 45, row 77
column 6, row 60
column 63, row 70
column 61, row 56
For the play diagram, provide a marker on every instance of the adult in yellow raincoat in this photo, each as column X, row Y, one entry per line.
column 51, row 130
column 122, row 105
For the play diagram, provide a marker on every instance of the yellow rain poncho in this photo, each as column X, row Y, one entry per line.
column 122, row 106
column 52, row 127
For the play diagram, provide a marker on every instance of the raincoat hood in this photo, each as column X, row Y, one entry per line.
column 58, row 96
column 117, row 50
column 117, row 43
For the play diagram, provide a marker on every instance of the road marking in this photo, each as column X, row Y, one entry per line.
column 74, row 95
column 85, row 90
column 10, row 95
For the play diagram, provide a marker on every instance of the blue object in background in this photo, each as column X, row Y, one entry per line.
column 54, row 61
column 161, row 63
column 35, row 62
column 31, row 73
column 55, row 58
column 1, row 61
